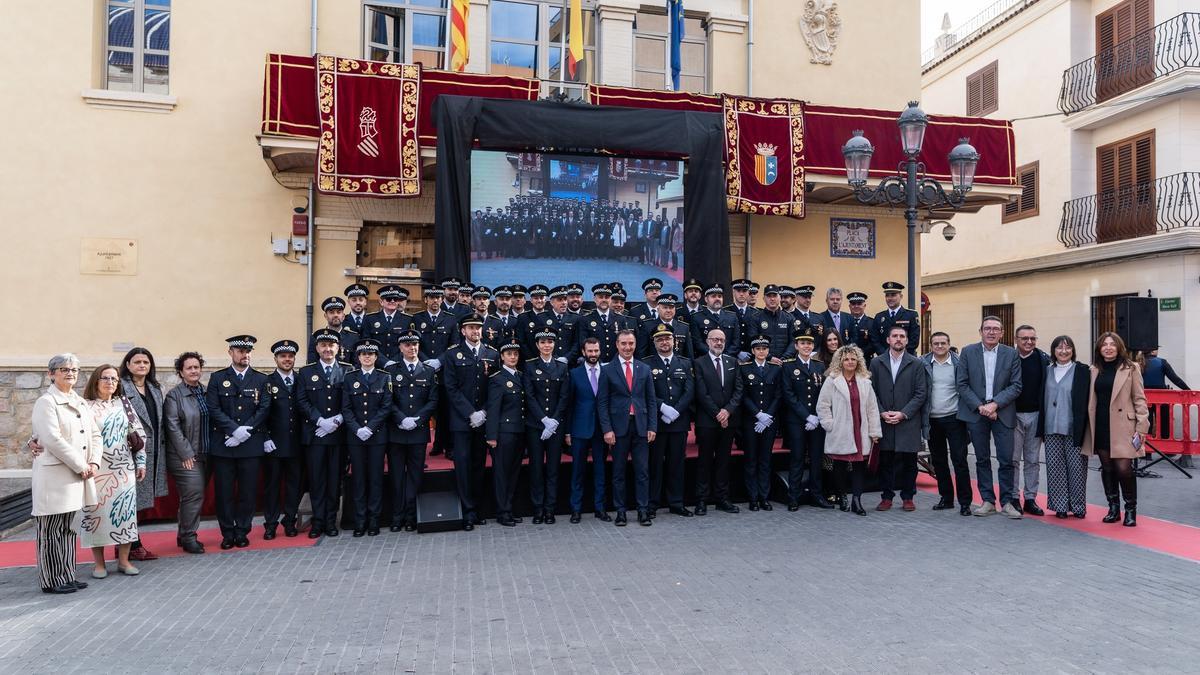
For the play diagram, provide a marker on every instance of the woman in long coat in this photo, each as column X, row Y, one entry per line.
column 849, row 414
column 1118, row 420
column 140, row 384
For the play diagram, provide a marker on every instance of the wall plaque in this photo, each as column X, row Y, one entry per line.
column 851, row 238
column 108, row 256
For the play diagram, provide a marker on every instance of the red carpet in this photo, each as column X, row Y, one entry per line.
column 24, row 553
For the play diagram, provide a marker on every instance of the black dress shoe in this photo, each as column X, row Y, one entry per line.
column 538, row 519
column 620, row 520
column 653, row 513
column 681, row 511
column 290, row 531
column 372, row 531
column 843, row 503
column 1033, row 509
column 793, row 505
column 242, row 542
column 332, row 532
column 60, row 589
column 727, row 507
column 506, row 521
column 943, row 504
column 358, row 532
column 821, row 503
column 226, row 543
column 576, row 516
column 468, row 526
column 79, row 585
column 315, row 533
column 701, row 509
column 395, row 527
column 644, row 519
column 549, row 519
column 753, row 505
column 964, row 510
column 857, row 507
column 410, row 526
column 269, row 533
column 193, row 547
column 603, row 515
column 765, row 505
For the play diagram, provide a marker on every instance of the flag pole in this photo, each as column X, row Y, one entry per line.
column 562, row 48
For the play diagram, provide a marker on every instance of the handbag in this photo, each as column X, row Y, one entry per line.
column 133, row 439
column 873, row 458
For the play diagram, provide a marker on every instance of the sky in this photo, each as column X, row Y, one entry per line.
column 961, row 11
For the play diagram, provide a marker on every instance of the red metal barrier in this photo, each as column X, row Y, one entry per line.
column 1175, row 421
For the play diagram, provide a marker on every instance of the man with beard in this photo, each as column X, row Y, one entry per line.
column 713, row 317
column 333, row 307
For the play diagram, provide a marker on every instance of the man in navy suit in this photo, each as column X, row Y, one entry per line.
column 628, row 411
column 833, row 317
column 583, row 428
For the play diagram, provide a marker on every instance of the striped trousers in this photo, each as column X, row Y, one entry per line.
column 1066, row 475
column 56, row 549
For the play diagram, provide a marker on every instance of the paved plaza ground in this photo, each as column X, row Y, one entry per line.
column 753, row 592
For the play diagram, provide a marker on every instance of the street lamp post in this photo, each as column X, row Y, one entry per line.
column 910, row 188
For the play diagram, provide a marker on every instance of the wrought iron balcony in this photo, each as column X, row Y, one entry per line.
column 1164, row 205
column 1168, row 47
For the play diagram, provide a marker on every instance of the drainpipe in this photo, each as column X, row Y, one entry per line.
column 749, row 92
column 312, row 206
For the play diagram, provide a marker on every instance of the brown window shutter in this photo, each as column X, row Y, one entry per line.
column 1106, row 169
column 1143, row 15
column 974, row 95
column 990, row 94
column 1143, row 157
column 1025, row 204
column 1105, row 32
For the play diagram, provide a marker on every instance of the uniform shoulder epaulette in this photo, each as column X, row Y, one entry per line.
column 789, row 360
column 351, row 365
column 743, row 363
column 536, row 358
column 452, row 346
column 494, row 374
column 353, row 370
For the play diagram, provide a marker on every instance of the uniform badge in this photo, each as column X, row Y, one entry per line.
column 316, row 378
column 357, row 385
column 706, row 322
column 537, row 372
column 274, row 390
column 509, row 384
column 423, row 325
column 377, row 324
column 593, row 324
column 764, row 325
column 549, row 322
column 225, row 383
column 531, row 324
column 796, row 371
column 459, row 355
column 750, row 376
column 656, row 371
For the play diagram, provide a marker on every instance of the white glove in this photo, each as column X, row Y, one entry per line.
column 269, row 446
column 321, row 432
column 560, row 359
column 547, row 434
column 669, row 414
column 434, row 363
column 477, row 418
column 364, row 433
column 743, row 356
column 242, row 434
column 550, row 424
column 759, row 428
column 326, row 427
column 408, row 423
column 811, row 423
column 764, row 419
column 232, row 442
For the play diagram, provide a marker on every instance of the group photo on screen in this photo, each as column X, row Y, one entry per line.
column 566, row 218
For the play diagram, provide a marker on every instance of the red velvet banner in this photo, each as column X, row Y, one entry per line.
column 628, row 97
column 290, row 96
column 617, row 168
column 828, row 128
column 434, row 83
column 368, row 113
column 764, row 156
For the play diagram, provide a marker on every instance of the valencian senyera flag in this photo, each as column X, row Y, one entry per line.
column 764, row 155
column 460, row 51
column 368, row 113
column 574, row 37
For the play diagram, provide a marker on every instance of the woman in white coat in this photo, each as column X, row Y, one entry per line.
column 62, row 474
column 849, row 413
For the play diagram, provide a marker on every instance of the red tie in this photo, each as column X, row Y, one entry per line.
column 629, row 383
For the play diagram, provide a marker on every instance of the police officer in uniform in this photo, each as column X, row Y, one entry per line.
column 747, row 316
column 238, row 407
column 506, row 410
column 388, row 324
column 366, row 410
column 648, row 310
column 414, row 401
column 481, row 300
column 666, row 309
column 754, row 290
column 895, row 315
column 284, row 460
column 810, row 321
column 451, row 288
column 502, row 327
column 775, row 324
column 465, row 370
column 674, row 387
column 356, row 298
column 802, row 380
column 565, row 324
column 334, row 308
column 761, row 381
column 602, row 323
column 860, row 327
column 712, row 316
column 787, row 298
column 527, row 325
column 437, row 327
column 546, row 394
column 319, row 398
column 692, row 300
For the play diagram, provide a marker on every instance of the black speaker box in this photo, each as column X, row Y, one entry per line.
column 438, row 512
column 1137, row 322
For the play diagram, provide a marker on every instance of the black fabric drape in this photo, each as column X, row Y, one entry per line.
column 548, row 126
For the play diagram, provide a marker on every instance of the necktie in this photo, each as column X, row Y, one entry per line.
column 412, row 368
column 837, row 322
column 892, row 313
column 287, row 381
column 387, row 319
column 629, row 382
column 595, row 382
column 239, row 376
column 666, row 363
column 328, row 371
column 475, row 352
column 720, row 370
column 654, row 314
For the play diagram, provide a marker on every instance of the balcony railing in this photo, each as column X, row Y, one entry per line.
column 1168, row 47
column 1164, row 205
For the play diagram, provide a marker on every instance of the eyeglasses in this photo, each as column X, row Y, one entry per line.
column 991, row 329
column 1027, row 339
column 109, row 379
column 69, row 370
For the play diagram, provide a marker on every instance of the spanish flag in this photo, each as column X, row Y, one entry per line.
column 459, row 47
column 575, row 37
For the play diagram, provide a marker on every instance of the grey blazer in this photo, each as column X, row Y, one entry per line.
column 972, row 383
column 155, row 484
column 906, row 394
column 182, row 419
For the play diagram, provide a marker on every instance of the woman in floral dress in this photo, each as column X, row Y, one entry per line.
column 113, row 519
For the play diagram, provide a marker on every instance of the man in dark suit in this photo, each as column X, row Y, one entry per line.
column 388, row 324
column 319, row 397
column 284, row 459
column 675, row 389
column 414, row 400
column 901, row 387
column 366, row 410
column 238, row 407
column 718, row 402
column 802, row 380
column 761, row 384
column 989, row 381
column 861, row 329
column 895, row 315
column 546, row 392
column 833, row 317
column 713, row 317
column 628, row 411
column 584, row 431
column 506, row 410
column 665, row 308
column 466, row 367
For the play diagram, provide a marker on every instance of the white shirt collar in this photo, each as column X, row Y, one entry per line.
column 513, row 371
column 283, row 375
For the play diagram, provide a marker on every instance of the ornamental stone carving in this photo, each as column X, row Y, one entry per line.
column 821, row 26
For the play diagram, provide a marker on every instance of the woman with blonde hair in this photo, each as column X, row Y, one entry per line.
column 849, row 413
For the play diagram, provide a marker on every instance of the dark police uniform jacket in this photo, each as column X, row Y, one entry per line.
column 675, row 386
column 347, row 339
column 683, row 338
column 377, row 327
column 748, row 324
column 367, row 402
column 546, row 392
column 861, row 332
column 354, row 323
column 436, row 334
column 465, row 380
column 705, row 320
column 320, row 396
column 285, row 420
column 498, row 331
column 233, row 404
column 505, row 404
column 594, row 325
column 567, row 327
column 883, row 325
column 414, row 394
column 642, row 312
column 801, row 387
column 760, row 391
column 779, row 327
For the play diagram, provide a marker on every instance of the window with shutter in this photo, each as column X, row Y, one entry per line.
column 983, row 95
column 1125, row 193
column 1124, row 48
column 1024, row 205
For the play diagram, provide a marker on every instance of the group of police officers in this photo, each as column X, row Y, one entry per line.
column 506, row 371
